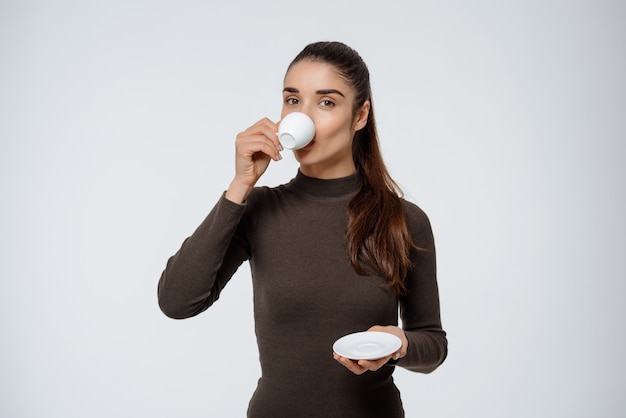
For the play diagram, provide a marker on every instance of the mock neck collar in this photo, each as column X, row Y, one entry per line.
column 326, row 188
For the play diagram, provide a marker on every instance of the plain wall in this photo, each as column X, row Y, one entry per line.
column 504, row 120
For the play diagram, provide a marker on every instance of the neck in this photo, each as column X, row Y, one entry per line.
column 340, row 187
column 327, row 173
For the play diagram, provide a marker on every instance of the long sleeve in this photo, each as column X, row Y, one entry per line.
column 419, row 308
column 307, row 295
column 197, row 273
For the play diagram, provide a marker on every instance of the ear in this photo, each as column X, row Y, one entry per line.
column 361, row 117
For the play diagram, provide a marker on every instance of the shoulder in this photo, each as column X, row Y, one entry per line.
column 260, row 194
column 418, row 223
column 265, row 198
column 257, row 195
column 414, row 213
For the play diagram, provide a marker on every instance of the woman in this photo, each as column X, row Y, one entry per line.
column 334, row 251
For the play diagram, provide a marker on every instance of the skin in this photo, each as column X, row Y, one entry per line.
column 361, row 366
column 316, row 89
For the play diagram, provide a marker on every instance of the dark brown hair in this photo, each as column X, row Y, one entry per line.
column 378, row 238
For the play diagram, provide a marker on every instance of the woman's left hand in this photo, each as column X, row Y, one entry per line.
column 361, row 366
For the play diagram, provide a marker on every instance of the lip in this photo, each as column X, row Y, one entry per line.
column 310, row 144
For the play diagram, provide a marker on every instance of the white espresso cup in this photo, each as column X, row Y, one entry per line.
column 296, row 131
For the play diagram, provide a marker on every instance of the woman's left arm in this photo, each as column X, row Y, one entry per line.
column 427, row 345
column 424, row 343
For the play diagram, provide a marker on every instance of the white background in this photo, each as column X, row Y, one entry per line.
column 504, row 120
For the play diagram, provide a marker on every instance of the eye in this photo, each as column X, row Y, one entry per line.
column 291, row 101
column 327, row 103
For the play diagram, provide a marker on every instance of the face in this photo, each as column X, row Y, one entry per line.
column 316, row 89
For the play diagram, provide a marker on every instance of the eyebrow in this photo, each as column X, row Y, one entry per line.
column 321, row 92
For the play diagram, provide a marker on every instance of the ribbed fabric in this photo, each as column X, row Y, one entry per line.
column 306, row 295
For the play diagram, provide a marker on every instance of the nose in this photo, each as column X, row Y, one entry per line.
column 306, row 108
column 311, row 115
column 302, row 108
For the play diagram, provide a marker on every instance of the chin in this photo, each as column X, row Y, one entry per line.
column 302, row 155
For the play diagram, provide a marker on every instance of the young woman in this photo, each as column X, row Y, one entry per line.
column 334, row 251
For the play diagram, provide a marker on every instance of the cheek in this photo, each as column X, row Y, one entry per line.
column 331, row 127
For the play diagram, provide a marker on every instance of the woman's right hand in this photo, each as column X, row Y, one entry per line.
column 255, row 147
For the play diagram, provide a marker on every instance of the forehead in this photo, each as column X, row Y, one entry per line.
column 315, row 75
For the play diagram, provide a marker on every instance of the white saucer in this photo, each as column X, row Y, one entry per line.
column 369, row 345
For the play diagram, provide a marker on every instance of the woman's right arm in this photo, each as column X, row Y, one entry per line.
column 255, row 147
column 197, row 273
column 194, row 277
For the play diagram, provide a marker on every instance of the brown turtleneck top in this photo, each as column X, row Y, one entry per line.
column 307, row 295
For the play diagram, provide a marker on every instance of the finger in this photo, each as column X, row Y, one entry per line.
column 377, row 328
column 398, row 332
column 264, row 144
column 254, row 151
column 374, row 365
column 270, row 129
column 248, row 145
column 354, row 367
column 266, row 128
column 351, row 365
column 262, row 124
column 277, row 128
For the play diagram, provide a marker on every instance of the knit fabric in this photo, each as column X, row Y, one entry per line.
column 307, row 295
